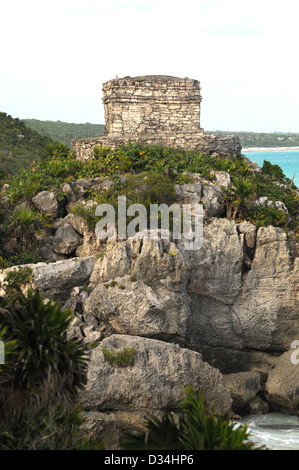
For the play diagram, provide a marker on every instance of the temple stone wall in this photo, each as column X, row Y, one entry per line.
column 157, row 110
column 151, row 104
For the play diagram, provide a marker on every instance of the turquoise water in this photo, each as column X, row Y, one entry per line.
column 288, row 160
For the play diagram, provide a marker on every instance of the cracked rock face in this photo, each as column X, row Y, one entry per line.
column 46, row 203
column 282, row 387
column 137, row 309
column 234, row 301
column 253, row 315
column 153, row 381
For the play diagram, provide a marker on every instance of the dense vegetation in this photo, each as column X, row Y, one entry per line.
column 19, row 145
column 144, row 174
column 265, row 139
column 40, row 378
column 64, row 131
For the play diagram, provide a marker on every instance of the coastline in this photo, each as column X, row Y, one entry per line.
column 268, row 149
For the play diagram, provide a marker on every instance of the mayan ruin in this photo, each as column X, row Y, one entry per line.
column 156, row 110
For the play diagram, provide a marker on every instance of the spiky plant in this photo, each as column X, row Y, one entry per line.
column 42, row 373
column 23, row 223
column 47, row 366
column 197, row 429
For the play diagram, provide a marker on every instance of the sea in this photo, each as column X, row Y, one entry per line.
column 288, row 160
column 273, row 431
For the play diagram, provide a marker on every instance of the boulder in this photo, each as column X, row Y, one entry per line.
column 189, row 193
column 257, row 406
column 249, row 231
column 66, row 240
column 69, row 193
column 282, row 387
column 213, row 201
column 112, row 428
column 243, row 387
column 153, row 381
column 58, row 279
column 76, row 221
column 128, row 307
column 222, row 178
column 46, row 203
column 105, row 184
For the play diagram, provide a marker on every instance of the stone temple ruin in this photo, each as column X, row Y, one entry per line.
column 157, row 110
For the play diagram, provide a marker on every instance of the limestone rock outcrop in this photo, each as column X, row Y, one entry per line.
column 153, row 381
column 46, row 203
column 243, row 387
column 282, row 387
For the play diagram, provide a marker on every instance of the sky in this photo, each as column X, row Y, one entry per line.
column 56, row 54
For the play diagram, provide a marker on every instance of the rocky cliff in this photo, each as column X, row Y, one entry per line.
column 220, row 318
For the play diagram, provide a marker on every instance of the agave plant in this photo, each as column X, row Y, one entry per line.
column 238, row 197
column 57, row 149
column 47, row 366
column 24, row 222
column 196, row 429
column 42, row 372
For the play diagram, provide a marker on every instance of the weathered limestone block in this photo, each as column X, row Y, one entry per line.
column 213, row 200
column 154, row 262
column 132, row 307
column 282, row 387
column 249, row 230
column 257, row 406
column 266, row 309
column 46, row 203
column 70, row 195
column 243, row 387
column 222, row 178
column 242, row 320
column 210, row 275
column 153, row 381
column 58, row 279
column 66, row 239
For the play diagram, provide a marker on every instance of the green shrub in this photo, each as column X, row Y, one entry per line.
column 46, row 362
column 197, row 429
column 122, row 358
column 88, row 214
column 18, row 276
column 56, row 150
column 24, row 257
column 264, row 216
column 151, row 174
column 274, row 171
column 39, row 384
